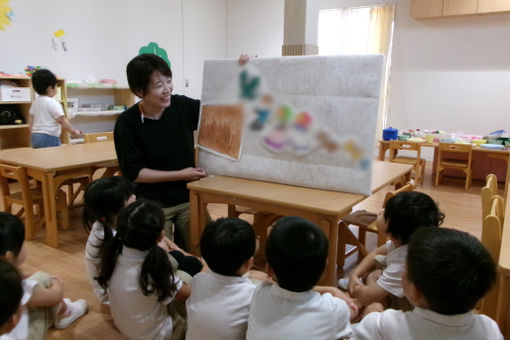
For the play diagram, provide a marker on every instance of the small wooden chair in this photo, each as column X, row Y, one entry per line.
column 417, row 162
column 366, row 221
column 27, row 197
column 492, row 230
column 110, row 168
column 447, row 161
column 490, row 189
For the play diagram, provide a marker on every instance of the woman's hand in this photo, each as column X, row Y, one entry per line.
column 192, row 174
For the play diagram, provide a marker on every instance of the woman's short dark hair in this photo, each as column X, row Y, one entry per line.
column 140, row 69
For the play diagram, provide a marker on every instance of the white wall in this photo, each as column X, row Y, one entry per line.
column 102, row 36
column 450, row 74
column 255, row 27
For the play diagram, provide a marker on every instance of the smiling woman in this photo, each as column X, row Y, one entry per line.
column 154, row 142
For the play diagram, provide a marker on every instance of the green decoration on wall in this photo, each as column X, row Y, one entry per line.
column 153, row 48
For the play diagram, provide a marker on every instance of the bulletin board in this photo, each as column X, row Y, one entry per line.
column 307, row 120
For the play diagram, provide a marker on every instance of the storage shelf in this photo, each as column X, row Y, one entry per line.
column 8, row 102
column 16, row 126
column 95, row 113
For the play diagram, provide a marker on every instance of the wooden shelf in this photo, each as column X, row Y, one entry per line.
column 95, row 113
column 3, row 102
column 16, row 126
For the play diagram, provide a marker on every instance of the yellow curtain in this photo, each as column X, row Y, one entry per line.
column 379, row 41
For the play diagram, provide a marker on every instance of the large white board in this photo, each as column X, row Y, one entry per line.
column 307, row 120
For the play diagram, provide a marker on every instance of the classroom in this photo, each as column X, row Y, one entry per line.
column 442, row 74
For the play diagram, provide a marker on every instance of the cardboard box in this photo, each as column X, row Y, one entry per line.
column 15, row 94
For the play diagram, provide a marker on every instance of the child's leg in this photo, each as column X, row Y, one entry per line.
column 41, row 318
column 179, row 323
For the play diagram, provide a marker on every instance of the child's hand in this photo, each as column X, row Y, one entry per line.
column 353, row 282
column 76, row 134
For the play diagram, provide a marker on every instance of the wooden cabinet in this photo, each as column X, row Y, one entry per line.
column 95, row 108
column 427, row 9
column 459, row 7
column 489, row 6
column 421, row 9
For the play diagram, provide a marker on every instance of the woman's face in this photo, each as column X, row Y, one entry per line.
column 159, row 92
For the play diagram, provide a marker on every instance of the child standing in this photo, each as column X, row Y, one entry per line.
column 218, row 306
column 403, row 215
column 296, row 253
column 43, row 305
column 138, row 276
column 47, row 117
column 104, row 199
column 11, row 292
column 447, row 272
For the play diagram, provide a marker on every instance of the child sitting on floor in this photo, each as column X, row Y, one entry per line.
column 11, row 292
column 218, row 305
column 139, row 278
column 447, row 272
column 296, row 252
column 404, row 214
column 43, row 302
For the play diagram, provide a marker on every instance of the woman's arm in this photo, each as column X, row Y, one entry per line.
column 147, row 175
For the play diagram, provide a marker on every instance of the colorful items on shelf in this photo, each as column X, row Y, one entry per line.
column 29, row 70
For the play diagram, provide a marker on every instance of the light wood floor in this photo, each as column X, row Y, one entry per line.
column 462, row 209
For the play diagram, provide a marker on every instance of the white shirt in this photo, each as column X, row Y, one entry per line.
column 92, row 259
column 21, row 330
column 137, row 316
column 424, row 324
column 391, row 277
column 276, row 313
column 218, row 307
column 45, row 111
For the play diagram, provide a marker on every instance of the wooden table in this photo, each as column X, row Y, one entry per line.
column 481, row 168
column 323, row 207
column 52, row 166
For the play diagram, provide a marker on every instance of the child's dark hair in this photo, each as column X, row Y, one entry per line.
column 12, row 234
column 41, row 79
column 104, row 199
column 451, row 268
column 140, row 69
column 11, row 291
column 407, row 211
column 296, row 250
column 139, row 226
column 226, row 244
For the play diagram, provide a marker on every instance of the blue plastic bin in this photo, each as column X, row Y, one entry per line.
column 389, row 133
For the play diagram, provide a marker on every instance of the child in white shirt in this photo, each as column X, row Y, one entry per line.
column 43, row 302
column 47, row 117
column 218, row 306
column 11, row 292
column 404, row 214
column 138, row 276
column 296, row 252
column 447, row 272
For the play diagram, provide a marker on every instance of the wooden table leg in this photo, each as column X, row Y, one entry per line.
column 502, row 311
column 330, row 228
column 198, row 220
column 50, row 210
column 382, row 150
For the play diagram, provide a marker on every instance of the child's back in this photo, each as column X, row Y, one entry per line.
column 447, row 272
column 218, row 306
column 296, row 252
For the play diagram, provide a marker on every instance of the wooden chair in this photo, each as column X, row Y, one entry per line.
column 27, row 197
column 366, row 221
column 492, row 230
column 417, row 162
column 449, row 161
column 490, row 189
column 261, row 222
column 110, row 168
